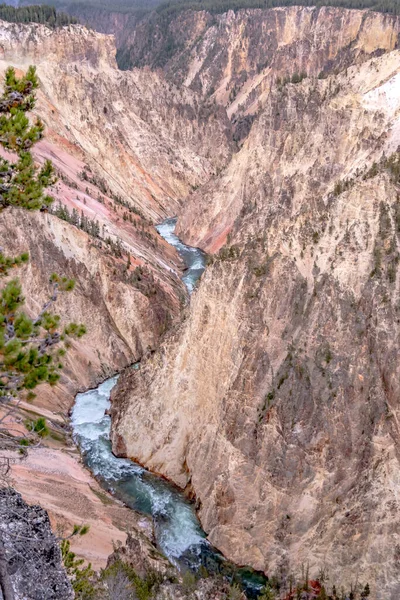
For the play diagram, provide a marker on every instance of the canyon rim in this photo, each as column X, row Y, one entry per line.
column 270, row 394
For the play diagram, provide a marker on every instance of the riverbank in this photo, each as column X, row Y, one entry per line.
column 54, row 475
column 57, row 480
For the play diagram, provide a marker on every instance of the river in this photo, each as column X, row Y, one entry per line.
column 194, row 258
column 177, row 529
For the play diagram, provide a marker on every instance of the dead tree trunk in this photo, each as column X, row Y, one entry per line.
column 5, row 580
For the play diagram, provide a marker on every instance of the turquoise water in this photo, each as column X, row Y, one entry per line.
column 194, row 258
column 176, row 526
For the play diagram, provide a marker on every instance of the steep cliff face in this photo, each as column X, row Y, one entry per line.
column 148, row 140
column 236, row 57
column 117, row 24
column 40, row 44
column 127, row 148
column 277, row 400
column 123, row 318
column 273, row 171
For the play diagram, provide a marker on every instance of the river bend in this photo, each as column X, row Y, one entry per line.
column 177, row 529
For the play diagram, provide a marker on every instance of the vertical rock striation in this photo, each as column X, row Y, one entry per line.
column 277, row 400
column 236, row 56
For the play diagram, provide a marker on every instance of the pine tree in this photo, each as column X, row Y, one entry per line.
column 366, row 591
column 22, row 183
column 75, row 217
column 31, row 349
column 82, row 577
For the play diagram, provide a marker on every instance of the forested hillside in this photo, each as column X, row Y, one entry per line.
column 43, row 13
column 221, row 6
column 142, row 7
column 117, row 6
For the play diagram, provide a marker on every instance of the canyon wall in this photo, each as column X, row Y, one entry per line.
column 148, row 140
column 236, row 57
column 276, row 401
column 123, row 321
column 127, row 148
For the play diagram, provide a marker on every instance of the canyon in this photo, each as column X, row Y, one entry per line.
column 275, row 402
column 150, row 158
column 128, row 287
column 271, row 396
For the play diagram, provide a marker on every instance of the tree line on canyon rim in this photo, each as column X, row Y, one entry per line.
column 220, row 6
column 47, row 14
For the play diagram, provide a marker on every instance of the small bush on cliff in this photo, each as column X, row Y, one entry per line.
column 229, row 253
column 119, row 581
column 235, row 593
column 189, row 582
column 366, row 592
column 38, row 426
column 82, row 578
column 298, row 77
column 267, row 594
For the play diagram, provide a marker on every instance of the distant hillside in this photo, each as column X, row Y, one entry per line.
column 43, row 13
column 141, row 7
column 117, row 6
column 221, row 6
column 147, row 26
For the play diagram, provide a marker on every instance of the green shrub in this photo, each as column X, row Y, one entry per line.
column 189, row 581
column 38, row 426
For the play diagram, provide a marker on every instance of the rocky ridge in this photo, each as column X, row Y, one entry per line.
column 34, row 558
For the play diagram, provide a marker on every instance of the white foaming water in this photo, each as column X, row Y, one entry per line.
column 166, row 230
column 193, row 258
column 176, row 525
column 93, row 404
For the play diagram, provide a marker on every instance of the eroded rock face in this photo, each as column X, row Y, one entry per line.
column 127, row 148
column 123, row 321
column 150, row 141
column 33, row 555
column 235, row 57
column 278, row 398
